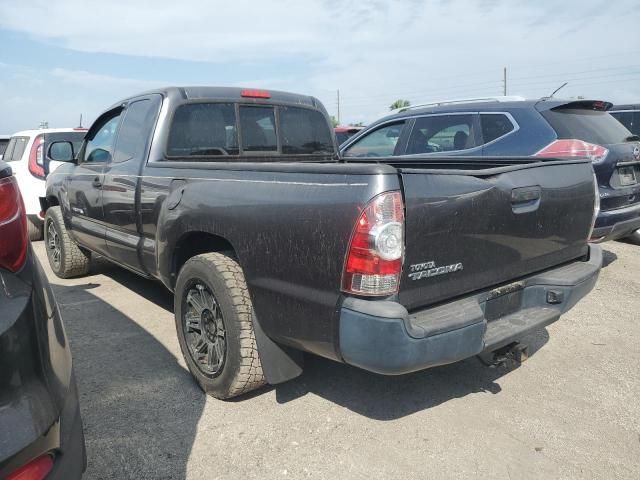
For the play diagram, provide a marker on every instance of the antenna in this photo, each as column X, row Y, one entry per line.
column 80, row 124
column 558, row 89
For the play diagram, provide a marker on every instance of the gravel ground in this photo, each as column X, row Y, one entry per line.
column 570, row 411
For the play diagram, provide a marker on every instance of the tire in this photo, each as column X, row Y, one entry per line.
column 70, row 260
column 34, row 229
column 635, row 237
column 212, row 303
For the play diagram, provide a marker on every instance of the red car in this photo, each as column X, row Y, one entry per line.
column 344, row 133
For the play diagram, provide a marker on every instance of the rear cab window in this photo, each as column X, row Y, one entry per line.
column 223, row 130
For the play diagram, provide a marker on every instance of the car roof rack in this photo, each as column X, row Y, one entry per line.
column 507, row 98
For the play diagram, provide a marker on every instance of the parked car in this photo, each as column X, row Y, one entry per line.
column 344, row 133
column 628, row 115
column 236, row 201
column 4, row 141
column 40, row 425
column 510, row 126
column 29, row 153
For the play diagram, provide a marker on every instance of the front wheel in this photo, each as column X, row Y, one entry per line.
column 213, row 315
column 65, row 257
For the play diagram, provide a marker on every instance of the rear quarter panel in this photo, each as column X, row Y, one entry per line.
column 289, row 229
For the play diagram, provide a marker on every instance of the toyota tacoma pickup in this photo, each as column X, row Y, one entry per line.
column 273, row 245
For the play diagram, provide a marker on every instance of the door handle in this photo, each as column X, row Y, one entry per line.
column 96, row 182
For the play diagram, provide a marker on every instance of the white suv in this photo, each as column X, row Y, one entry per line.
column 29, row 154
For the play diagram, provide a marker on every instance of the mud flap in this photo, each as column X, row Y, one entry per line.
column 279, row 363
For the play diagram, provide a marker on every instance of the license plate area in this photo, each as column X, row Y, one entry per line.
column 627, row 176
column 500, row 304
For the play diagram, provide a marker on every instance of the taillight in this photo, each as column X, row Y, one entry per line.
column 37, row 469
column 13, row 226
column 596, row 207
column 374, row 259
column 36, row 157
column 571, row 148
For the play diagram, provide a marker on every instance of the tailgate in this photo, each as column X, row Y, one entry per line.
column 468, row 230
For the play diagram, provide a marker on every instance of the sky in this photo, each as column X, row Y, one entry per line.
column 60, row 59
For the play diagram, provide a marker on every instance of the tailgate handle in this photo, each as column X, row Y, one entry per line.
column 525, row 199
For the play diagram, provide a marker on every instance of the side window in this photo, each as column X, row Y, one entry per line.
column 442, row 133
column 135, row 130
column 494, row 125
column 203, row 129
column 379, row 143
column 257, row 129
column 100, row 143
column 15, row 149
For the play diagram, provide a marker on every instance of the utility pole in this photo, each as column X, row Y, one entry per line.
column 338, row 100
column 504, row 81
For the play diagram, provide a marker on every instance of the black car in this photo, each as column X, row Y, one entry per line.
column 509, row 126
column 628, row 115
column 40, row 426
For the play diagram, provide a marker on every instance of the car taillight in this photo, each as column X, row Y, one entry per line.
column 596, row 207
column 572, row 148
column 36, row 157
column 37, row 469
column 13, row 226
column 374, row 259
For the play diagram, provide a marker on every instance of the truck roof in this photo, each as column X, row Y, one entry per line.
column 233, row 94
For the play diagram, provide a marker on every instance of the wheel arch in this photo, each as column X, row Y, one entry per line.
column 193, row 243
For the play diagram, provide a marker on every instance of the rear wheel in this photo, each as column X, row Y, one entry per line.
column 635, row 237
column 65, row 257
column 34, row 229
column 213, row 314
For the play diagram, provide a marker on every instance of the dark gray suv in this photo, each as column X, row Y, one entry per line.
column 508, row 126
column 40, row 427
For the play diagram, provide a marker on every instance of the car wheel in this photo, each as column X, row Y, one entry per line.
column 213, row 314
column 635, row 237
column 34, row 229
column 65, row 257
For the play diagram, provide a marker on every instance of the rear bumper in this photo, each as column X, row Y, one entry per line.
column 64, row 440
column 618, row 223
column 382, row 337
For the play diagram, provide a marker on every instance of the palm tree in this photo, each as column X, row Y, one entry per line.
column 399, row 104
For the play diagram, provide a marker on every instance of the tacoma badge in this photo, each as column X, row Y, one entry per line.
column 429, row 269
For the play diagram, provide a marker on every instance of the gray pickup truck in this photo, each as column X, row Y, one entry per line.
column 237, row 201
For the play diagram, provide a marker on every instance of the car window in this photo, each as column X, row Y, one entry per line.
column 135, row 130
column 99, row 144
column 304, row 131
column 441, row 133
column 3, row 146
column 15, row 149
column 494, row 126
column 379, row 143
column 257, row 129
column 203, row 129
column 630, row 119
column 594, row 126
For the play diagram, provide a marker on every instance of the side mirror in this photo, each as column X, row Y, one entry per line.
column 61, row 152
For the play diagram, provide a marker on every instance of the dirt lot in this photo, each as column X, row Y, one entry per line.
column 571, row 411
